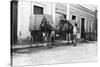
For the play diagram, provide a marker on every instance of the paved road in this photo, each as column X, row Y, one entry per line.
column 59, row 54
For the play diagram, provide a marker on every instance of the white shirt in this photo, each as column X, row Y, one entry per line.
column 75, row 30
column 52, row 33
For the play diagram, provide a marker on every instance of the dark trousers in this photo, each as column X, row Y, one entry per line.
column 74, row 44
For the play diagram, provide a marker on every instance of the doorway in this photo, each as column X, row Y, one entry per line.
column 82, row 28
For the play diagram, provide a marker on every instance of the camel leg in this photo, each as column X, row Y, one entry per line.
column 73, row 39
column 44, row 39
column 68, row 38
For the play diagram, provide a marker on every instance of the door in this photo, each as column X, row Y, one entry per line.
column 82, row 27
column 13, row 8
column 90, row 26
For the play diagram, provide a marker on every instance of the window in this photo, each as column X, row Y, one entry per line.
column 73, row 17
column 64, row 16
column 38, row 10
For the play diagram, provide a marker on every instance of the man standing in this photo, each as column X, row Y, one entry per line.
column 75, row 33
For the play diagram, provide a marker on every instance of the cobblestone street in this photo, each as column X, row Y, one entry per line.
column 59, row 54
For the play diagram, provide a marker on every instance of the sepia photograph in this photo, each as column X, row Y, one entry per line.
column 45, row 33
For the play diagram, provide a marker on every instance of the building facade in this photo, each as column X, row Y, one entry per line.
column 84, row 17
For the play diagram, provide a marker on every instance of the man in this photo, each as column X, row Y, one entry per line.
column 62, row 27
column 75, row 33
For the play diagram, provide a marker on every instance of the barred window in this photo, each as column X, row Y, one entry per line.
column 38, row 10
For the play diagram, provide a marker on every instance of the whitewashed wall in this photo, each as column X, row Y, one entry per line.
column 24, row 18
column 25, row 11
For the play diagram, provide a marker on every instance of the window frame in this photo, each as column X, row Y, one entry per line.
column 38, row 7
column 76, row 17
column 72, row 17
column 37, row 4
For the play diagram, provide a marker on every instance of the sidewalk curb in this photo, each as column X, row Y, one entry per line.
column 34, row 45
